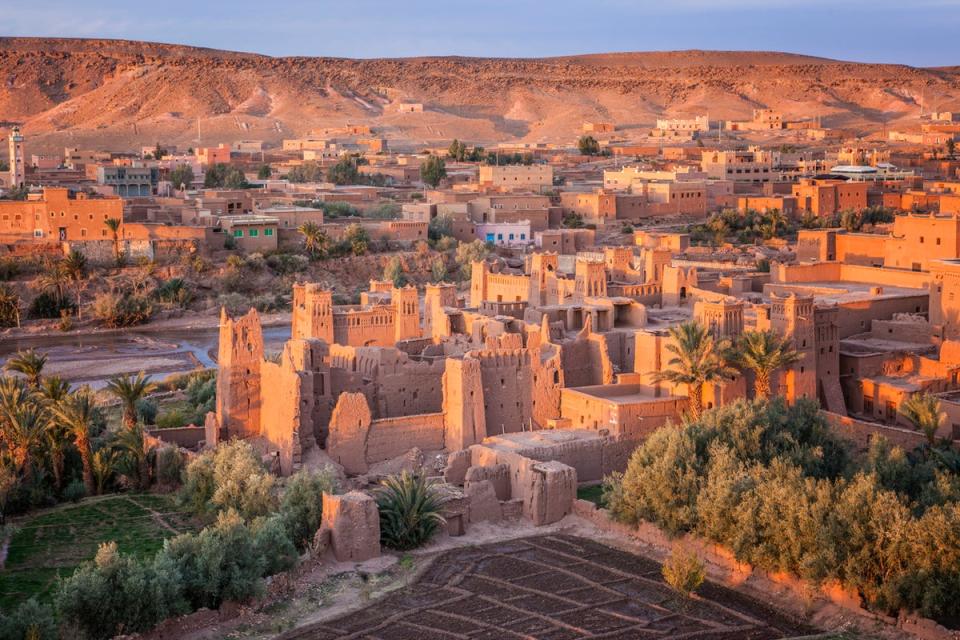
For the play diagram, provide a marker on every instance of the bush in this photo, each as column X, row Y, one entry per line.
column 30, row 620
column 169, row 466
column 115, row 594
column 775, row 486
column 409, row 511
column 48, row 306
column 172, row 419
column 122, row 309
column 271, row 542
column 230, row 477
column 286, row 263
column 147, row 410
column 9, row 269
column 75, row 491
column 302, row 505
column 174, row 291
column 220, row 563
column 683, row 571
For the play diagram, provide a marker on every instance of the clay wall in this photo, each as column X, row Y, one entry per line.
column 623, row 414
column 238, row 375
column 860, row 433
column 389, row 438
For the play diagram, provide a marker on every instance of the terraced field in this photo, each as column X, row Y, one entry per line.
column 554, row 587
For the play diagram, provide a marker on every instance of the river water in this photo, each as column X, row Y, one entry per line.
column 93, row 359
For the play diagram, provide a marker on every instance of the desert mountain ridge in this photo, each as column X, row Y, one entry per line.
column 116, row 93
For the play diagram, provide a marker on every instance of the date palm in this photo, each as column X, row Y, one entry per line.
column 923, row 411
column 698, row 359
column 75, row 268
column 763, row 352
column 9, row 306
column 54, row 280
column 103, row 465
column 54, row 389
column 130, row 390
column 133, row 462
column 75, row 414
column 315, row 240
column 114, row 225
column 30, row 364
column 24, row 431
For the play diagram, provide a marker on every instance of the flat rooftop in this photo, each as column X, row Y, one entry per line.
column 834, row 292
column 621, row 394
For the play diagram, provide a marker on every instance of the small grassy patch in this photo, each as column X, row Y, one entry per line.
column 594, row 494
column 54, row 543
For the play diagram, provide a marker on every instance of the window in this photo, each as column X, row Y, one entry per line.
column 268, row 232
column 254, row 233
column 238, row 233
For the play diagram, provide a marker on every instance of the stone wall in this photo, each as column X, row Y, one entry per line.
column 392, row 437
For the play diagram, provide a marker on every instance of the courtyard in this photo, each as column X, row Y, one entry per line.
column 554, row 587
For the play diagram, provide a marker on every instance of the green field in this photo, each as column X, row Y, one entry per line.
column 592, row 493
column 53, row 543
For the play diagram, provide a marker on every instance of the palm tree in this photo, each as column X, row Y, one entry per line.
column 923, row 410
column 75, row 267
column 30, row 364
column 410, row 511
column 114, row 225
column 103, row 464
column 54, row 389
column 698, row 359
column 55, row 279
column 763, row 352
column 133, row 447
column 13, row 392
column 9, row 306
column 24, row 430
column 75, row 414
column 130, row 390
column 315, row 240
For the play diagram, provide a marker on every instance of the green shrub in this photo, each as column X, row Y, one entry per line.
column 287, row 263
column 220, row 563
column 172, row 419
column 271, row 542
column 122, row 309
column 169, row 466
column 75, row 491
column 302, row 504
column 9, row 269
column 683, row 571
column 409, row 511
column 29, row 621
column 230, row 477
column 147, row 411
column 775, row 486
column 115, row 594
column 48, row 306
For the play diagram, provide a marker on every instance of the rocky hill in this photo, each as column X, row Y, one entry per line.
column 108, row 93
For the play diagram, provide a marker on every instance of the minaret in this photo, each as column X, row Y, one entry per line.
column 17, row 169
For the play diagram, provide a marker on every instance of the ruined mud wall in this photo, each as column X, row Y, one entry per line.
column 860, row 433
column 392, row 437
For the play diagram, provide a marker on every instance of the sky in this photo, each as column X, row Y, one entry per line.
column 915, row 32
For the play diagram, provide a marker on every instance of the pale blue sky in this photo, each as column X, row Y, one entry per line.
column 917, row 32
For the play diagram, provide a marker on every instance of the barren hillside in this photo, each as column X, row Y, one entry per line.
column 108, row 93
